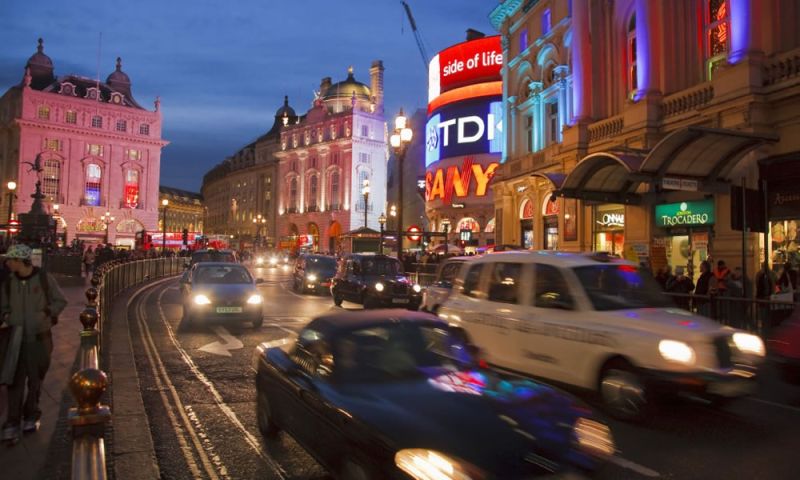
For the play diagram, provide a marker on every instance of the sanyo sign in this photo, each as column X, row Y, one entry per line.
column 466, row 128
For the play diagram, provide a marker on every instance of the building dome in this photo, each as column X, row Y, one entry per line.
column 118, row 79
column 285, row 110
column 40, row 67
column 346, row 89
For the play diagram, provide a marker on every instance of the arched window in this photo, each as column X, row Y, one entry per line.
column 335, row 202
column 52, row 179
column 132, row 188
column 92, row 185
column 631, row 56
column 293, row 195
column 313, row 189
column 717, row 34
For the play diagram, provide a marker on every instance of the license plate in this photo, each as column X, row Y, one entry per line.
column 229, row 309
column 399, row 300
column 732, row 389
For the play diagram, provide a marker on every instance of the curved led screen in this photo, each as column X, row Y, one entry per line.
column 469, row 127
column 467, row 63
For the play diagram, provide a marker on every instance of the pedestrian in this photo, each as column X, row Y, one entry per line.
column 30, row 303
column 706, row 286
column 722, row 273
column 680, row 284
column 88, row 260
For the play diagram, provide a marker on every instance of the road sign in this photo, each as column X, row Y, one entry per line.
column 671, row 183
column 412, row 230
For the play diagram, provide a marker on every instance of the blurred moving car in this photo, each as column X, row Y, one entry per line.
column 374, row 281
column 784, row 347
column 434, row 295
column 223, row 292
column 598, row 324
column 212, row 255
column 393, row 394
column 313, row 273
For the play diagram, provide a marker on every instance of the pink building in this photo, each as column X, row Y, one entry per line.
column 100, row 151
column 324, row 159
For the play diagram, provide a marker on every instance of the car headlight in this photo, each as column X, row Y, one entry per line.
column 379, row 287
column 201, row 300
column 749, row 343
column 273, row 261
column 416, row 288
column 311, row 277
column 260, row 260
column 676, row 351
column 423, row 464
column 255, row 299
column 594, row 437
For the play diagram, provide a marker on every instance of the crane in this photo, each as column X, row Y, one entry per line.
column 417, row 36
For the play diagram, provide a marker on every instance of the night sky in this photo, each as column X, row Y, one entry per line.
column 222, row 68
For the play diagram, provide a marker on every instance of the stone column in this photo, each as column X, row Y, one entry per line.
column 648, row 48
column 581, row 60
column 745, row 29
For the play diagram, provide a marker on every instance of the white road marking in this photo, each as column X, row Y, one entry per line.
column 287, row 330
column 250, row 439
column 774, row 404
column 627, row 464
column 229, row 342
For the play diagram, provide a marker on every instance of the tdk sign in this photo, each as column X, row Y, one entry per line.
column 465, row 128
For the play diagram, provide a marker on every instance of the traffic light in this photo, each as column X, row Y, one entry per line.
column 185, row 236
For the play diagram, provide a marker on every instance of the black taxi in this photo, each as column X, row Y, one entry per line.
column 374, row 281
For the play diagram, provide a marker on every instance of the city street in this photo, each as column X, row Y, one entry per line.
column 198, row 390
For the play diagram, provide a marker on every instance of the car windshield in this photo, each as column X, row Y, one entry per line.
column 223, row 275
column 398, row 351
column 321, row 264
column 620, row 287
column 213, row 257
column 381, row 266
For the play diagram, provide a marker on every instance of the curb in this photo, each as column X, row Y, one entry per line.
column 132, row 446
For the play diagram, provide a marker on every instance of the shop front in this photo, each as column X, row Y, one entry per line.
column 688, row 233
column 550, row 222
column 782, row 180
column 609, row 228
column 526, row 224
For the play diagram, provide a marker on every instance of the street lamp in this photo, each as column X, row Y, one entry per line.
column 12, row 185
column 381, row 222
column 446, row 224
column 258, row 221
column 399, row 141
column 107, row 219
column 365, row 192
column 56, row 217
column 164, row 203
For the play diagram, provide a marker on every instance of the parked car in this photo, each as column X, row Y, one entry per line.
column 596, row 323
column 393, row 394
column 434, row 295
column 224, row 292
column 784, row 347
column 374, row 281
column 313, row 273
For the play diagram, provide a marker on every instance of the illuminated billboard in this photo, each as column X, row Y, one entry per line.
column 465, row 128
column 455, row 181
column 467, row 63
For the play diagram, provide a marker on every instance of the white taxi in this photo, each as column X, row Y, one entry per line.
column 597, row 323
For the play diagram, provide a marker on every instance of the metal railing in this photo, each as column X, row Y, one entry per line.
column 89, row 418
column 754, row 315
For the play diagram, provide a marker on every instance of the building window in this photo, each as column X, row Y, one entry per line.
column 546, row 22
column 523, row 39
column 333, row 131
column 71, row 117
column 122, row 126
column 529, row 132
column 293, row 194
column 94, row 149
column 92, row 187
column 554, row 132
column 52, row 144
column 43, row 113
column 134, row 155
column 717, row 35
column 51, row 179
column 630, row 56
column 364, row 130
column 132, row 188
column 313, row 188
column 144, row 129
column 335, row 190
column 97, row 121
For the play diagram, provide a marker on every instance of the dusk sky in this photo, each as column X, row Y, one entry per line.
column 222, row 68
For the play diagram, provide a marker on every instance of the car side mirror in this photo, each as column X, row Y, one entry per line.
column 259, row 281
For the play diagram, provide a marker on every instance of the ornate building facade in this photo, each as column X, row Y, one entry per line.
column 185, row 211
column 100, row 151
column 634, row 125
column 324, row 159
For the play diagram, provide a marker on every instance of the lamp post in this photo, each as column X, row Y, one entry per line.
column 258, row 221
column 381, row 222
column 446, row 224
column 12, row 186
column 399, row 141
column 164, row 203
column 57, row 218
column 365, row 192
column 107, row 220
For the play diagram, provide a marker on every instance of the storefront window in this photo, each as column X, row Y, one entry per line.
column 609, row 227
column 784, row 238
column 550, row 216
column 688, row 240
column 526, row 224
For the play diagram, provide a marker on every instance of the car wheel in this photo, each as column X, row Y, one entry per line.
column 266, row 425
column 337, row 299
column 352, row 470
column 623, row 393
column 258, row 322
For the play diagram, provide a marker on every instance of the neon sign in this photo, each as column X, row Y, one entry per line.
column 467, row 128
column 442, row 183
column 467, row 63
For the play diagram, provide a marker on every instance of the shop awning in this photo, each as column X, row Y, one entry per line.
column 604, row 177
column 555, row 179
column 701, row 153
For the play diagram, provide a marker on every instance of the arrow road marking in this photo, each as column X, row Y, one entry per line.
column 229, row 342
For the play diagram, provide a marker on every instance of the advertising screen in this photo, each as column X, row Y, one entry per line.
column 465, row 128
column 467, row 63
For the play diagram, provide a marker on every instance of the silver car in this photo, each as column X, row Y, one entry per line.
column 437, row 292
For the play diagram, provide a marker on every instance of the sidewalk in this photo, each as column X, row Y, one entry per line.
column 48, row 452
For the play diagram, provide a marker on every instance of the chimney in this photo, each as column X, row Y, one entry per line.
column 323, row 86
column 473, row 34
column 376, row 84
